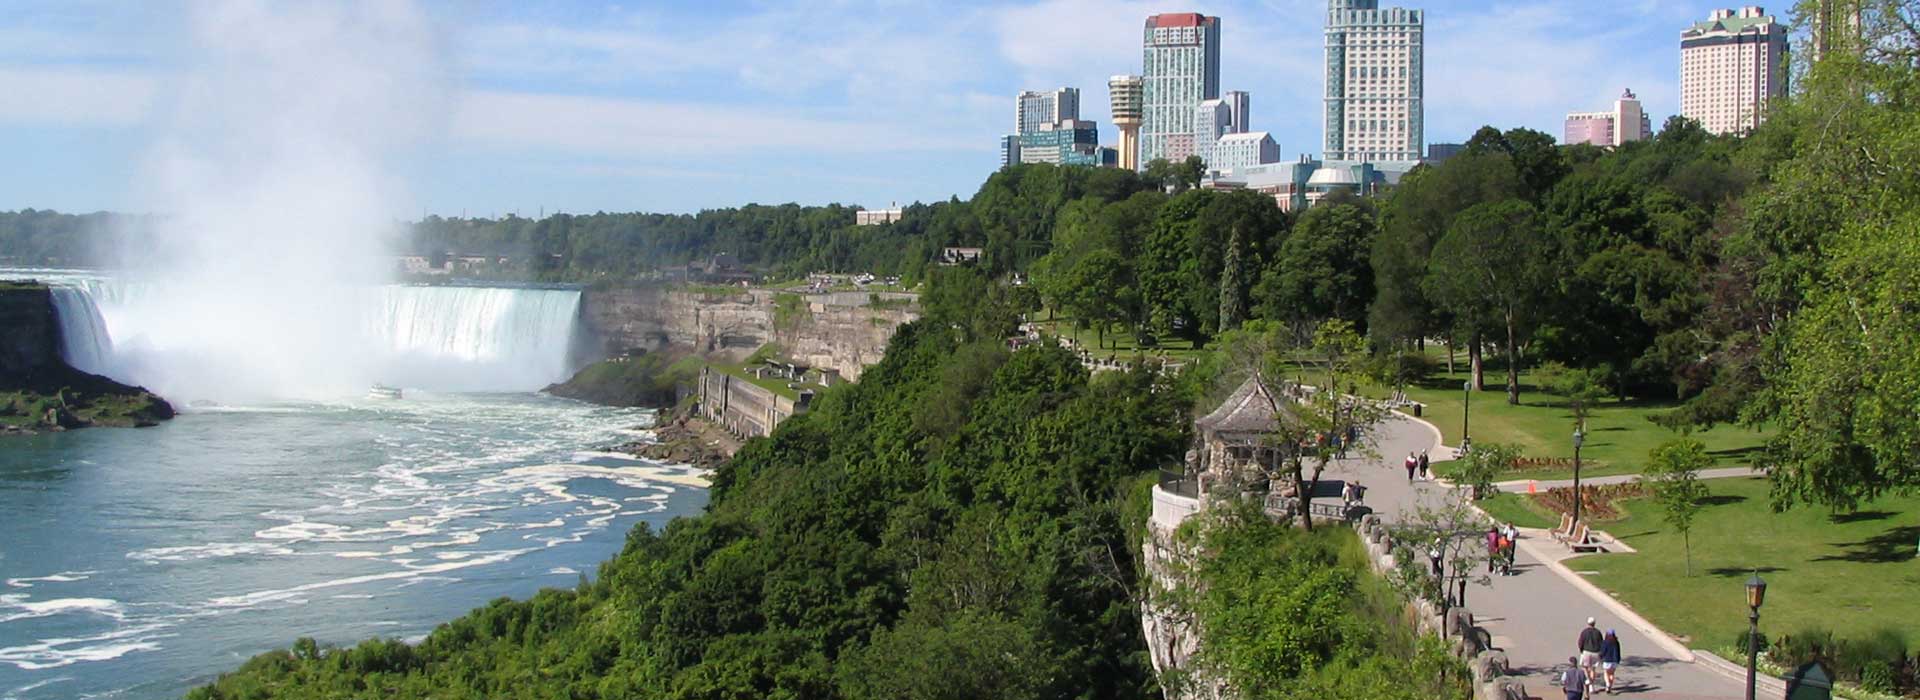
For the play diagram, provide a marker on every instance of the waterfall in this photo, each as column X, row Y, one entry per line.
column 447, row 336
column 202, row 342
column 84, row 342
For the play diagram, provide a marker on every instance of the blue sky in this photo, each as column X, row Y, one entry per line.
column 680, row 106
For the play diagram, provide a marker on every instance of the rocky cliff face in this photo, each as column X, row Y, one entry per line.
column 29, row 333
column 840, row 331
column 39, row 391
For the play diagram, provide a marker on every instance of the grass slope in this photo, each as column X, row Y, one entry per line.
column 1851, row 574
column 1619, row 434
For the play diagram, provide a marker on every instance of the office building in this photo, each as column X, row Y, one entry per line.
column 1375, row 82
column 1236, row 152
column 1438, row 153
column 1070, row 142
column 1836, row 27
column 1009, row 150
column 1732, row 66
column 1123, row 91
column 1625, row 122
column 1036, row 110
column 1237, row 111
column 1285, row 182
column 1181, row 62
column 875, row 217
column 1211, row 120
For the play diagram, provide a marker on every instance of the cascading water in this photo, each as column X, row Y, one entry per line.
column 84, row 341
column 440, row 338
column 476, row 337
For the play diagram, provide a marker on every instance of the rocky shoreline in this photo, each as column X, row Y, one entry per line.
column 683, row 438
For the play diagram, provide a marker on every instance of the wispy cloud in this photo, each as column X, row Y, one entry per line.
column 669, row 91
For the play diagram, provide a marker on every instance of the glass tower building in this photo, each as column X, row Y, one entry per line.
column 1181, row 62
column 1375, row 82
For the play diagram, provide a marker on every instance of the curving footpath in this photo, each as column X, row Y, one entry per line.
column 1536, row 614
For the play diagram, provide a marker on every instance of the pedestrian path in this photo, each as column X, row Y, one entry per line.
column 1520, row 485
column 1536, row 614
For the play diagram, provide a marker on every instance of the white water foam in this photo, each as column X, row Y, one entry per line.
column 212, row 550
column 64, row 651
column 28, row 609
column 62, row 577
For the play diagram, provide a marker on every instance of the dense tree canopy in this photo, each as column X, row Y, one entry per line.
column 870, row 549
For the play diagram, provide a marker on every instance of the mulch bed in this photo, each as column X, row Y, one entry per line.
column 1596, row 502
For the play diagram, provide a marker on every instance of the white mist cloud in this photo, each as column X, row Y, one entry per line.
column 279, row 137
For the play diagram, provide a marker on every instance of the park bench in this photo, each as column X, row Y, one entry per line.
column 1565, row 528
column 1583, row 540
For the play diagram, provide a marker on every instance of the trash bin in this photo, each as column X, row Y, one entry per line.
column 1416, row 409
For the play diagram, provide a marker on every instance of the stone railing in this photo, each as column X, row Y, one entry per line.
column 1492, row 675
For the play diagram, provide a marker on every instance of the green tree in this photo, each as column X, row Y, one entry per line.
column 1322, row 271
column 1233, row 285
column 1673, row 474
column 1415, row 216
column 1492, row 268
column 1485, row 462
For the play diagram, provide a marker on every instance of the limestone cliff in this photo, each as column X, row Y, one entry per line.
column 844, row 331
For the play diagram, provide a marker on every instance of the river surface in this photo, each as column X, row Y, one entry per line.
column 139, row 563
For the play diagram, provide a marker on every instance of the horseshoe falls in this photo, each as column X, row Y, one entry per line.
column 198, row 343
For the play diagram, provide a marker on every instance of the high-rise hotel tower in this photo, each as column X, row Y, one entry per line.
column 1181, row 61
column 1124, row 93
column 1731, row 68
column 1375, row 82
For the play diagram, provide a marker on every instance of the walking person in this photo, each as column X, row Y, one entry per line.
column 1412, row 464
column 1610, row 658
column 1512, row 549
column 1591, row 642
column 1573, row 680
column 1423, row 466
column 1493, row 546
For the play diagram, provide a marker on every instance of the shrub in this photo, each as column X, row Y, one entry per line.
column 1740, row 643
column 1802, row 646
column 1882, row 650
column 1877, row 676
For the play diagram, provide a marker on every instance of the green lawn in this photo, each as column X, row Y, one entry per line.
column 1851, row 574
column 1119, row 342
column 1518, row 509
column 1619, row 436
column 777, row 386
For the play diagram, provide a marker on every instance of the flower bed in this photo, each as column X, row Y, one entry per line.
column 1596, row 502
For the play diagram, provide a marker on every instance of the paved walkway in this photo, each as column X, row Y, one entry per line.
column 1536, row 614
column 1520, row 485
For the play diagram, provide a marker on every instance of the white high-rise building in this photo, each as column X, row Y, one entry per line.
column 1236, row 153
column 1375, row 82
column 1731, row 68
column 1181, row 62
column 1035, row 110
column 1211, row 120
column 1237, row 111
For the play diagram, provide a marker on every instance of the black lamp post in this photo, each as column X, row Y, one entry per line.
column 1756, row 594
column 1579, row 438
column 1466, row 389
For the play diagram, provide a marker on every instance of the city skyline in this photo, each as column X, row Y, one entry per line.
column 546, row 111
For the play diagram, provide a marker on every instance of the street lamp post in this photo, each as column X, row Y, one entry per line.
column 1579, row 438
column 1756, row 594
column 1466, row 390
